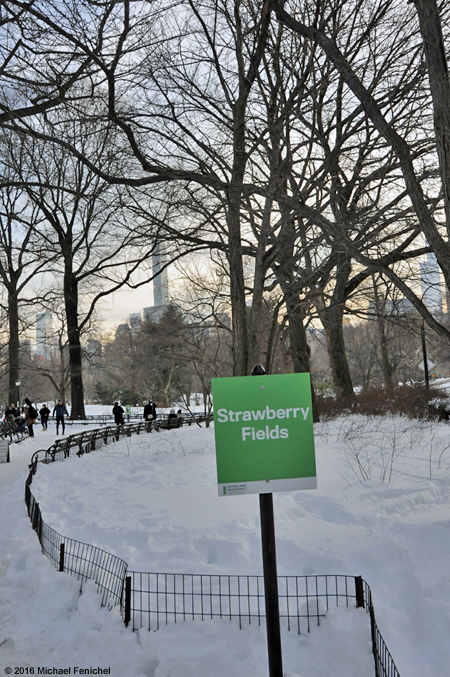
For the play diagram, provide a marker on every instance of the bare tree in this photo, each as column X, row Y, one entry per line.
column 86, row 228
column 23, row 256
column 371, row 101
column 230, row 48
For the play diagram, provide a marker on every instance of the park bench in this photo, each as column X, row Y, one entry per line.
column 170, row 423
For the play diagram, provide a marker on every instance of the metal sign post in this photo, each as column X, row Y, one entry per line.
column 269, row 553
column 270, row 585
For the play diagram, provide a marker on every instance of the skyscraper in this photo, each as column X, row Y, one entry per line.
column 44, row 329
column 160, row 287
column 430, row 278
column 161, row 282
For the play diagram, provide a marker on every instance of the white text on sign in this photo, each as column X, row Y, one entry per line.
column 228, row 415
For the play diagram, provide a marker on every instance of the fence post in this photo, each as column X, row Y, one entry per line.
column 36, row 516
column 39, row 530
column 127, row 616
column 374, row 640
column 359, row 592
column 61, row 557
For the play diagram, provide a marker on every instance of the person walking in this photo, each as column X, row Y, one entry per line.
column 149, row 413
column 30, row 415
column 44, row 413
column 60, row 409
column 118, row 414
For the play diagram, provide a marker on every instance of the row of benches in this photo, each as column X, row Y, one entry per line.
column 9, row 430
column 87, row 441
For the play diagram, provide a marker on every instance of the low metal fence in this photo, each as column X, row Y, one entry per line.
column 156, row 599
column 149, row 600
column 84, row 561
column 104, row 419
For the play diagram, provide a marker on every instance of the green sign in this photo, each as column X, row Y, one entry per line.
column 264, row 434
column 128, row 409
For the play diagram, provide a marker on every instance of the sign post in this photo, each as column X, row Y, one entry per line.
column 271, row 585
column 4, row 451
column 264, row 443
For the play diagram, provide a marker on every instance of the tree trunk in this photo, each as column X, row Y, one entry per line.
column 237, row 286
column 385, row 363
column 331, row 317
column 62, row 370
column 433, row 43
column 13, row 345
column 256, row 315
column 297, row 335
column 273, row 337
column 76, row 378
column 237, row 283
column 299, row 347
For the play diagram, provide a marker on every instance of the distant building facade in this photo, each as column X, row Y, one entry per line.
column 430, row 279
column 44, row 334
column 154, row 313
column 134, row 319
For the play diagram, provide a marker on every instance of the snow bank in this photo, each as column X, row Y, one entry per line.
column 152, row 500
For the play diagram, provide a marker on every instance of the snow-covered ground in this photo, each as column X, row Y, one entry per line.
column 381, row 511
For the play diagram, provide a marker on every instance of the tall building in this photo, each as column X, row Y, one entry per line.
column 44, row 333
column 430, row 278
column 161, row 282
column 160, row 287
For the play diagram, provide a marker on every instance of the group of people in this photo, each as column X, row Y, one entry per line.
column 29, row 415
column 149, row 412
column 148, row 415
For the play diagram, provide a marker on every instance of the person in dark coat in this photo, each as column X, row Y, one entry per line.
column 44, row 413
column 150, row 411
column 30, row 414
column 118, row 413
column 60, row 410
column 12, row 413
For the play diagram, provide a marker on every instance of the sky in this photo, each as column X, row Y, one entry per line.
column 117, row 307
column 152, row 500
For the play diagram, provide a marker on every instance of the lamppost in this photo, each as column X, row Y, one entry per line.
column 424, row 352
column 18, row 394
